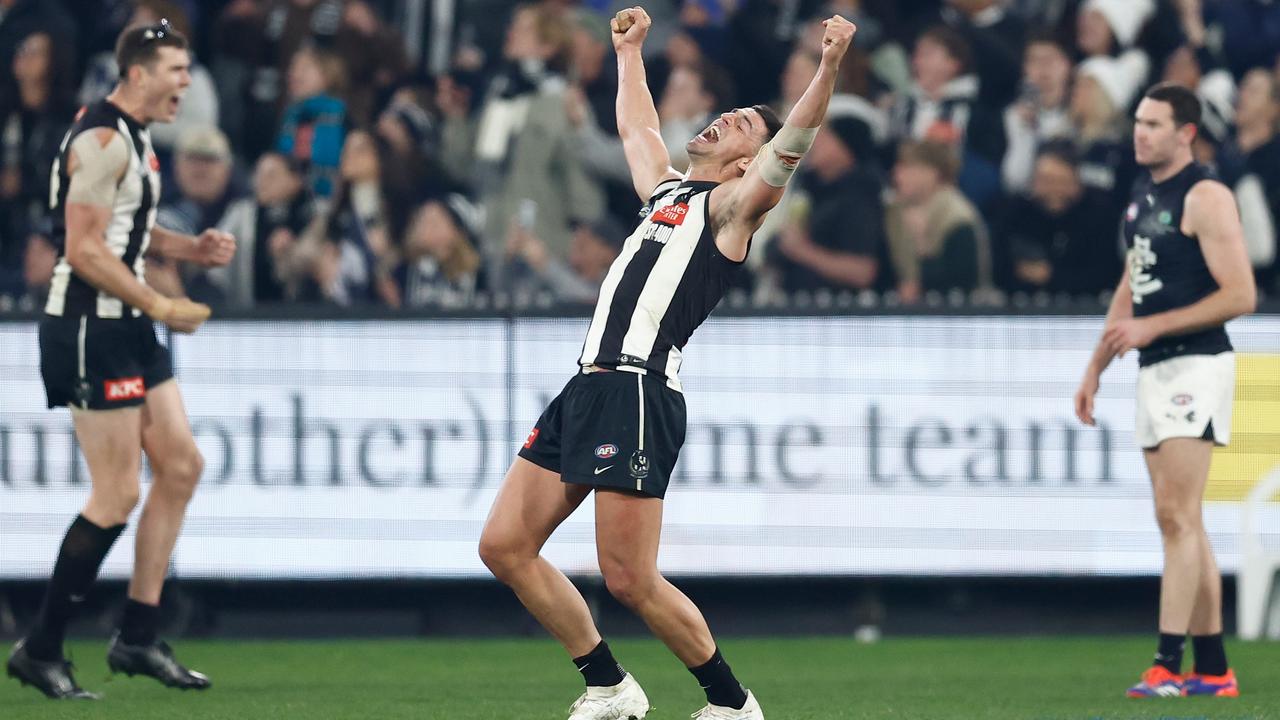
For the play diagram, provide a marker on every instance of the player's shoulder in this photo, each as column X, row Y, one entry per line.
column 99, row 150
column 1207, row 191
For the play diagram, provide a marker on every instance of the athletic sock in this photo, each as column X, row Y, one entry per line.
column 1211, row 656
column 139, row 624
column 83, row 549
column 1169, row 652
column 599, row 668
column 717, row 680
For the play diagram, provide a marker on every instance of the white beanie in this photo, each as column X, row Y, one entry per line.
column 1119, row 77
column 1126, row 17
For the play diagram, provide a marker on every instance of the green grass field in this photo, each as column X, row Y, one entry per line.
column 795, row 679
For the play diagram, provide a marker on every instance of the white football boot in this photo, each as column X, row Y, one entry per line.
column 624, row 701
column 750, row 711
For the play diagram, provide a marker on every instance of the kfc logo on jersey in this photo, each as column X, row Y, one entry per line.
column 672, row 215
column 125, row 389
column 1131, row 213
column 154, row 162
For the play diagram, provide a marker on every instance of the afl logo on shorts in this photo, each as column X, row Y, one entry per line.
column 606, row 451
column 1131, row 213
column 1182, row 399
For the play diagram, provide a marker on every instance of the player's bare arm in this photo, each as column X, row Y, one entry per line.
column 1121, row 309
column 637, row 116
column 97, row 161
column 738, row 207
column 1211, row 217
column 211, row 248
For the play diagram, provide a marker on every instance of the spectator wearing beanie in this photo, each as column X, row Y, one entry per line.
column 1104, row 89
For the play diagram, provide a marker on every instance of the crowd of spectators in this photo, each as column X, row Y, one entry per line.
column 436, row 153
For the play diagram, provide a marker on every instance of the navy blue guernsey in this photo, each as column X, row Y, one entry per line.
column 1167, row 269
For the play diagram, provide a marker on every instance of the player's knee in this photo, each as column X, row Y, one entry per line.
column 113, row 504
column 1177, row 521
column 502, row 557
column 180, row 473
column 630, row 585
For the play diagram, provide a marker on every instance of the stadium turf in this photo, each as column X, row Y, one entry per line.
column 795, row 679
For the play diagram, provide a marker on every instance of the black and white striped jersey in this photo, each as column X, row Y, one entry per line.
column 667, row 280
column 129, row 230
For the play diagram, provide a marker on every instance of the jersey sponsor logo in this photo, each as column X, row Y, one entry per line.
column 124, row 389
column 533, row 436
column 1182, row 399
column 1141, row 258
column 606, row 451
column 672, row 215
column 1131, row 213
column 153, row 162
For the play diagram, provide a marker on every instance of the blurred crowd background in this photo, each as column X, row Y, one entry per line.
column 463, row 153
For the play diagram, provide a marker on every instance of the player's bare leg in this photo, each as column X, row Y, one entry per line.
column 530, row 506
column 1212, row 675
column 628, row 530
column 111, row 443
column 1179, row 469
column 176, row 465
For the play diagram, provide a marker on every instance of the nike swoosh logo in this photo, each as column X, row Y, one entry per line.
column 600, row 470
column 584, row 667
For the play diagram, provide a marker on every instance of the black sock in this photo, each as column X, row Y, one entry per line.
column 140, row 623
column 717, row 679
column 599, row 668
column 83, row 549
column 1169, row 653
column 1211, row 656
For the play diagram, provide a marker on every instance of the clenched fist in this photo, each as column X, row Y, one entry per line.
column 180, row 314
column 629, row 28
column 836, row 39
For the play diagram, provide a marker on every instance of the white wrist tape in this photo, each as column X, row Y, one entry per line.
column 780, row 156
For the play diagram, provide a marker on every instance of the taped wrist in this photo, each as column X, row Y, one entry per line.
column 780, row 156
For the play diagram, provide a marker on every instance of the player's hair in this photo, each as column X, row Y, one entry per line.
column 771, row 122
column 1185, row 104
column 141, row 45
column 953, row 42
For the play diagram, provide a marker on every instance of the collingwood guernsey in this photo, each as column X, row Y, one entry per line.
column 133, row 215
column 667, row 280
